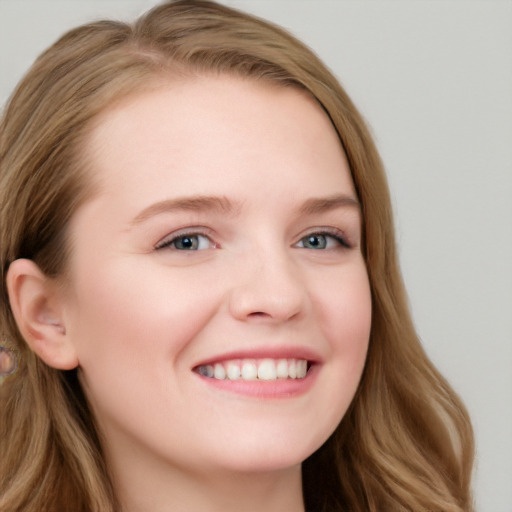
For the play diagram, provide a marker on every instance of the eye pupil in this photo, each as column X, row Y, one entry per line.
column 186, row 242
column 316, row 242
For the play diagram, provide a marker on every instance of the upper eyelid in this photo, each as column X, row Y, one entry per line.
column 327, row 231
column 180, row 233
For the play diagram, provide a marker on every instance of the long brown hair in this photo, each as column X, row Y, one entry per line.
column 404, row 444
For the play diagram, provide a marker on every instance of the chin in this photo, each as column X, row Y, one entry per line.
column 263, row 454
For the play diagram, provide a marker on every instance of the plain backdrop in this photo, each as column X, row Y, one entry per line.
column 434, row 80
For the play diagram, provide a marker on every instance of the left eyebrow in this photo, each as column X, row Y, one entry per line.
column 323, row 204
column 190, row 203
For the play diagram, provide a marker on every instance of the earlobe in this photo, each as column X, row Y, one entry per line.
column 37, row 307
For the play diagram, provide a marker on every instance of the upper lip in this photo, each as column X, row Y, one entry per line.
column 285, row 352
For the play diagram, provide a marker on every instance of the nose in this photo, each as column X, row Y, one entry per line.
column 268, row 288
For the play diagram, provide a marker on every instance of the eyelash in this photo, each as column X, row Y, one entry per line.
column 335, row 235
column 175, row 237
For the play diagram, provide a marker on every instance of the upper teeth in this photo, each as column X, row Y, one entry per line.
column 256, row 369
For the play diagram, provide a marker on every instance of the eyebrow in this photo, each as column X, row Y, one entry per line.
column 324, row 204
column 192, row 203
column 221, row 204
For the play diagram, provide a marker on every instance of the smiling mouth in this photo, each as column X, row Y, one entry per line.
column 255, row 369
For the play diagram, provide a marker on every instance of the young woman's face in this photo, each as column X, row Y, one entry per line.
column 219, row 303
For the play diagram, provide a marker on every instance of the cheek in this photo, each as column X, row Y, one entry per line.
column 344, row 306
column 134, row 319
column 351, row 326
column 132, row 330
column 345, row 313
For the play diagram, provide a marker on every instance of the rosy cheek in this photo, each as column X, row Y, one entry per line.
column 344, row 307
column 117, row 312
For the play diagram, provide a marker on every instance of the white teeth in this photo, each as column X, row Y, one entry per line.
column 219, row 372
column 292, row 369
column 251, row 369
column 233, row 371
column 267, row 370
column 302, row 368
column 282, row 369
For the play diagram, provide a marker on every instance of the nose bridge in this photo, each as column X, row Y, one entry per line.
column 268, row 285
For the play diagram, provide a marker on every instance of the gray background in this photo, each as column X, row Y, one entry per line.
column 434, row 80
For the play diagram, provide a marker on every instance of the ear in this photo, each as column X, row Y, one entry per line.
column 37, row 305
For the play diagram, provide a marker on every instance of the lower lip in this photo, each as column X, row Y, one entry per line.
column 265, row 389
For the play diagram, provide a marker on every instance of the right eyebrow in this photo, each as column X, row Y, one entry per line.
column 323, row 204
column 189, row 203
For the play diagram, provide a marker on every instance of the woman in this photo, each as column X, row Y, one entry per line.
column 200, row 277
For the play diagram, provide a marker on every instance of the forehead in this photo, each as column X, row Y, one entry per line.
column 205, row 125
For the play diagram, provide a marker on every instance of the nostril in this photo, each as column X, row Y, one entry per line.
column 257, row 316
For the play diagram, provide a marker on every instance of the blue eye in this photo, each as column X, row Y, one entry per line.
column 321, row 241
column 187, row 242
